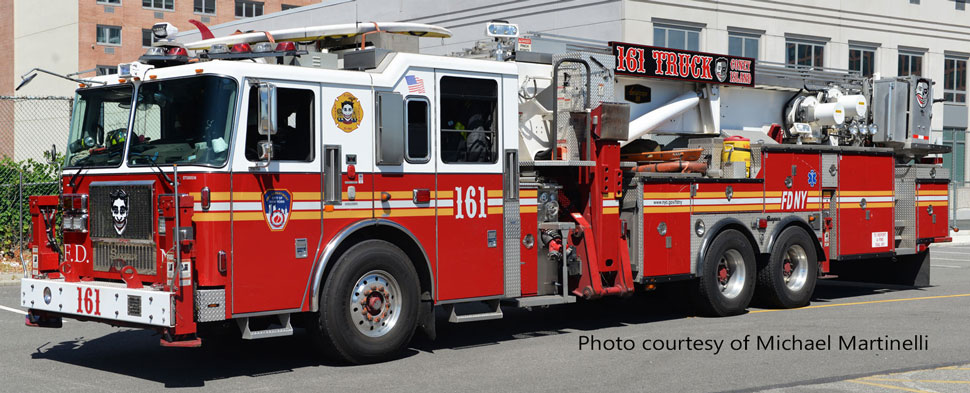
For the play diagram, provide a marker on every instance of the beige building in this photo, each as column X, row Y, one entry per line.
column 87, row 37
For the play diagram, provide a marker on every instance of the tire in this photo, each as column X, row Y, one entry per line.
column 369, row 304
column 787, row 278
column 726, row 280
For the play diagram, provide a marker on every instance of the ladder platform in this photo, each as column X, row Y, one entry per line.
column 544, row 300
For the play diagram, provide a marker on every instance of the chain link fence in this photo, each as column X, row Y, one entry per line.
column 29, row 126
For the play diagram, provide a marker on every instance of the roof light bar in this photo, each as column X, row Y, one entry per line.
column 501, row 29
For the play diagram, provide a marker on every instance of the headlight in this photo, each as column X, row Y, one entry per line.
column 47, row 295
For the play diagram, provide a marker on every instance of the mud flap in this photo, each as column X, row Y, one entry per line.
column 426, row 319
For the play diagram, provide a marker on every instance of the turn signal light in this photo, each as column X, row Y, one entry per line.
column 422, row 195
column 176, row 51
column 762, row 223
column 285, row 47
column 241, row 48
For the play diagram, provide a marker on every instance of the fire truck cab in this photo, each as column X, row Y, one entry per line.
column 255, row 191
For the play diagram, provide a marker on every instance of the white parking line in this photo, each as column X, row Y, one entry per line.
column 949, row 266
column 15, row 310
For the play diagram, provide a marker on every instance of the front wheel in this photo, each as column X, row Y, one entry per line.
column 726, row 280
column 369, row 303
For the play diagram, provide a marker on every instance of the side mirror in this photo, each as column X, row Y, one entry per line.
column 52, row 155
column 267, row 108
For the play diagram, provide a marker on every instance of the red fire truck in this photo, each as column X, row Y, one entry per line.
column 268, row 179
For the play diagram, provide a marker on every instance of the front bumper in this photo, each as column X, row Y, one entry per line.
column 99, row 300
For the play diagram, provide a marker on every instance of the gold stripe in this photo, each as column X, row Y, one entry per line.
column 213, row 196
column 866, row 193
column 611, row 210
column 247, row 216
column 306, row 215
column 873, row 205
column 932, row 192
column 934, row 203
column 736, row 194
column 495, row 210
column 306, row 196
column 443, row 194
column 210, row 217
column 773, row 194
column 726, row 208
column 494, row 193
column 420, row 212
column 347, row 214
column 773, row 207
column 247, row 196
column 666, row 195
column 527, row 209
column 666, row 209
column 528, row 193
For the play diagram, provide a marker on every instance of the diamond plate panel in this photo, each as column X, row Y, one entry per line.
column 513, row 263
column 570, row 95
column 834, row 233
column 905, row 195
column 755, row 160
column 210, row 305
column 830, row 177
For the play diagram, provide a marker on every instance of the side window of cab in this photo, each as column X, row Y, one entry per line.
column 294, row 118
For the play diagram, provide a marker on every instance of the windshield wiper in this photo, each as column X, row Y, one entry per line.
column 151, row 159
column 84, row 164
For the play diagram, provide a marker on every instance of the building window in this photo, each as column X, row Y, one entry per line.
column 106, row 70
column 205, row 6
column 913, row 1
column 290, row 6
column 248, row 9
column 109, row 35
column 956, row 138
column 961, row 4
column 955, row 79
column 862, row 60
column 111, row 2
column 805, row 53
column 159, row 4
column 468, row 109
column 677, row 37
column 744, row 45
column 910, row 64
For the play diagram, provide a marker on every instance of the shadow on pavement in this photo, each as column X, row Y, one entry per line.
column 136, row 353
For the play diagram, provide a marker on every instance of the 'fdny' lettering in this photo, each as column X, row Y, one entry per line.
column 793, row 200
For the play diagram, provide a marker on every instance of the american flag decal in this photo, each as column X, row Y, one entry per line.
column 415, row 84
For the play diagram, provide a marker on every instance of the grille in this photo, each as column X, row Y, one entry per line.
column 139, row 224
column 114, row 256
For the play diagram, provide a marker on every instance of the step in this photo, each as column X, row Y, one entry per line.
column 544, row 300
column 248, row 334
column 496, row 313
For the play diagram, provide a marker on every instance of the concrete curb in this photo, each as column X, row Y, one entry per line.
column 9, row 282
column 961, row 238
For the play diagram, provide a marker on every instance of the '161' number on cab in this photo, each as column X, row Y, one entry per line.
column 470, row 207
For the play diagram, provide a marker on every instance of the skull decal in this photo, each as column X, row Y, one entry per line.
column 119, row 210
column 721, row 69
column 922, row 90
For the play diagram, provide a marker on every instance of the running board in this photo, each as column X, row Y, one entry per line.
column 495, row 313
column 545, row 300
column 248, row 334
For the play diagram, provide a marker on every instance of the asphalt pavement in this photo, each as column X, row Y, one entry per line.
column 540, row 349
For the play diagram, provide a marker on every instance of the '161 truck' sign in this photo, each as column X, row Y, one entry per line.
column 655, row 62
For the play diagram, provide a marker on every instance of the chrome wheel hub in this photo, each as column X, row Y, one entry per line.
column 375, row 303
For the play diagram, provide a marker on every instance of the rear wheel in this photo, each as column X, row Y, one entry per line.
column 369, row 303
column 787, row 279
column 726, row 279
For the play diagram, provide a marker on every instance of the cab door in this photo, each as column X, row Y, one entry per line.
column 469, row 185
column 276, row 208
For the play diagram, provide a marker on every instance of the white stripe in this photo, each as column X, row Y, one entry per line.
column 666, row 202
column 306, row 205
column 735, row 201
column 932, row 198
column 213, row 207
column 528, row 201
column 495, row 201
column 15, row 310
column 247, row 206
column 355, row 205
column 611, row 203
column 772, row 200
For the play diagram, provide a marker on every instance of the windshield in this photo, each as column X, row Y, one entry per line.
column 99, row 126
column 183, row 121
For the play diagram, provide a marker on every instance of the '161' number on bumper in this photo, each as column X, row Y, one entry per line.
column 471, row 206
column 88, row 301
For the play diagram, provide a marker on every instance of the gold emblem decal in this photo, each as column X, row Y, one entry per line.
column 347, row 112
